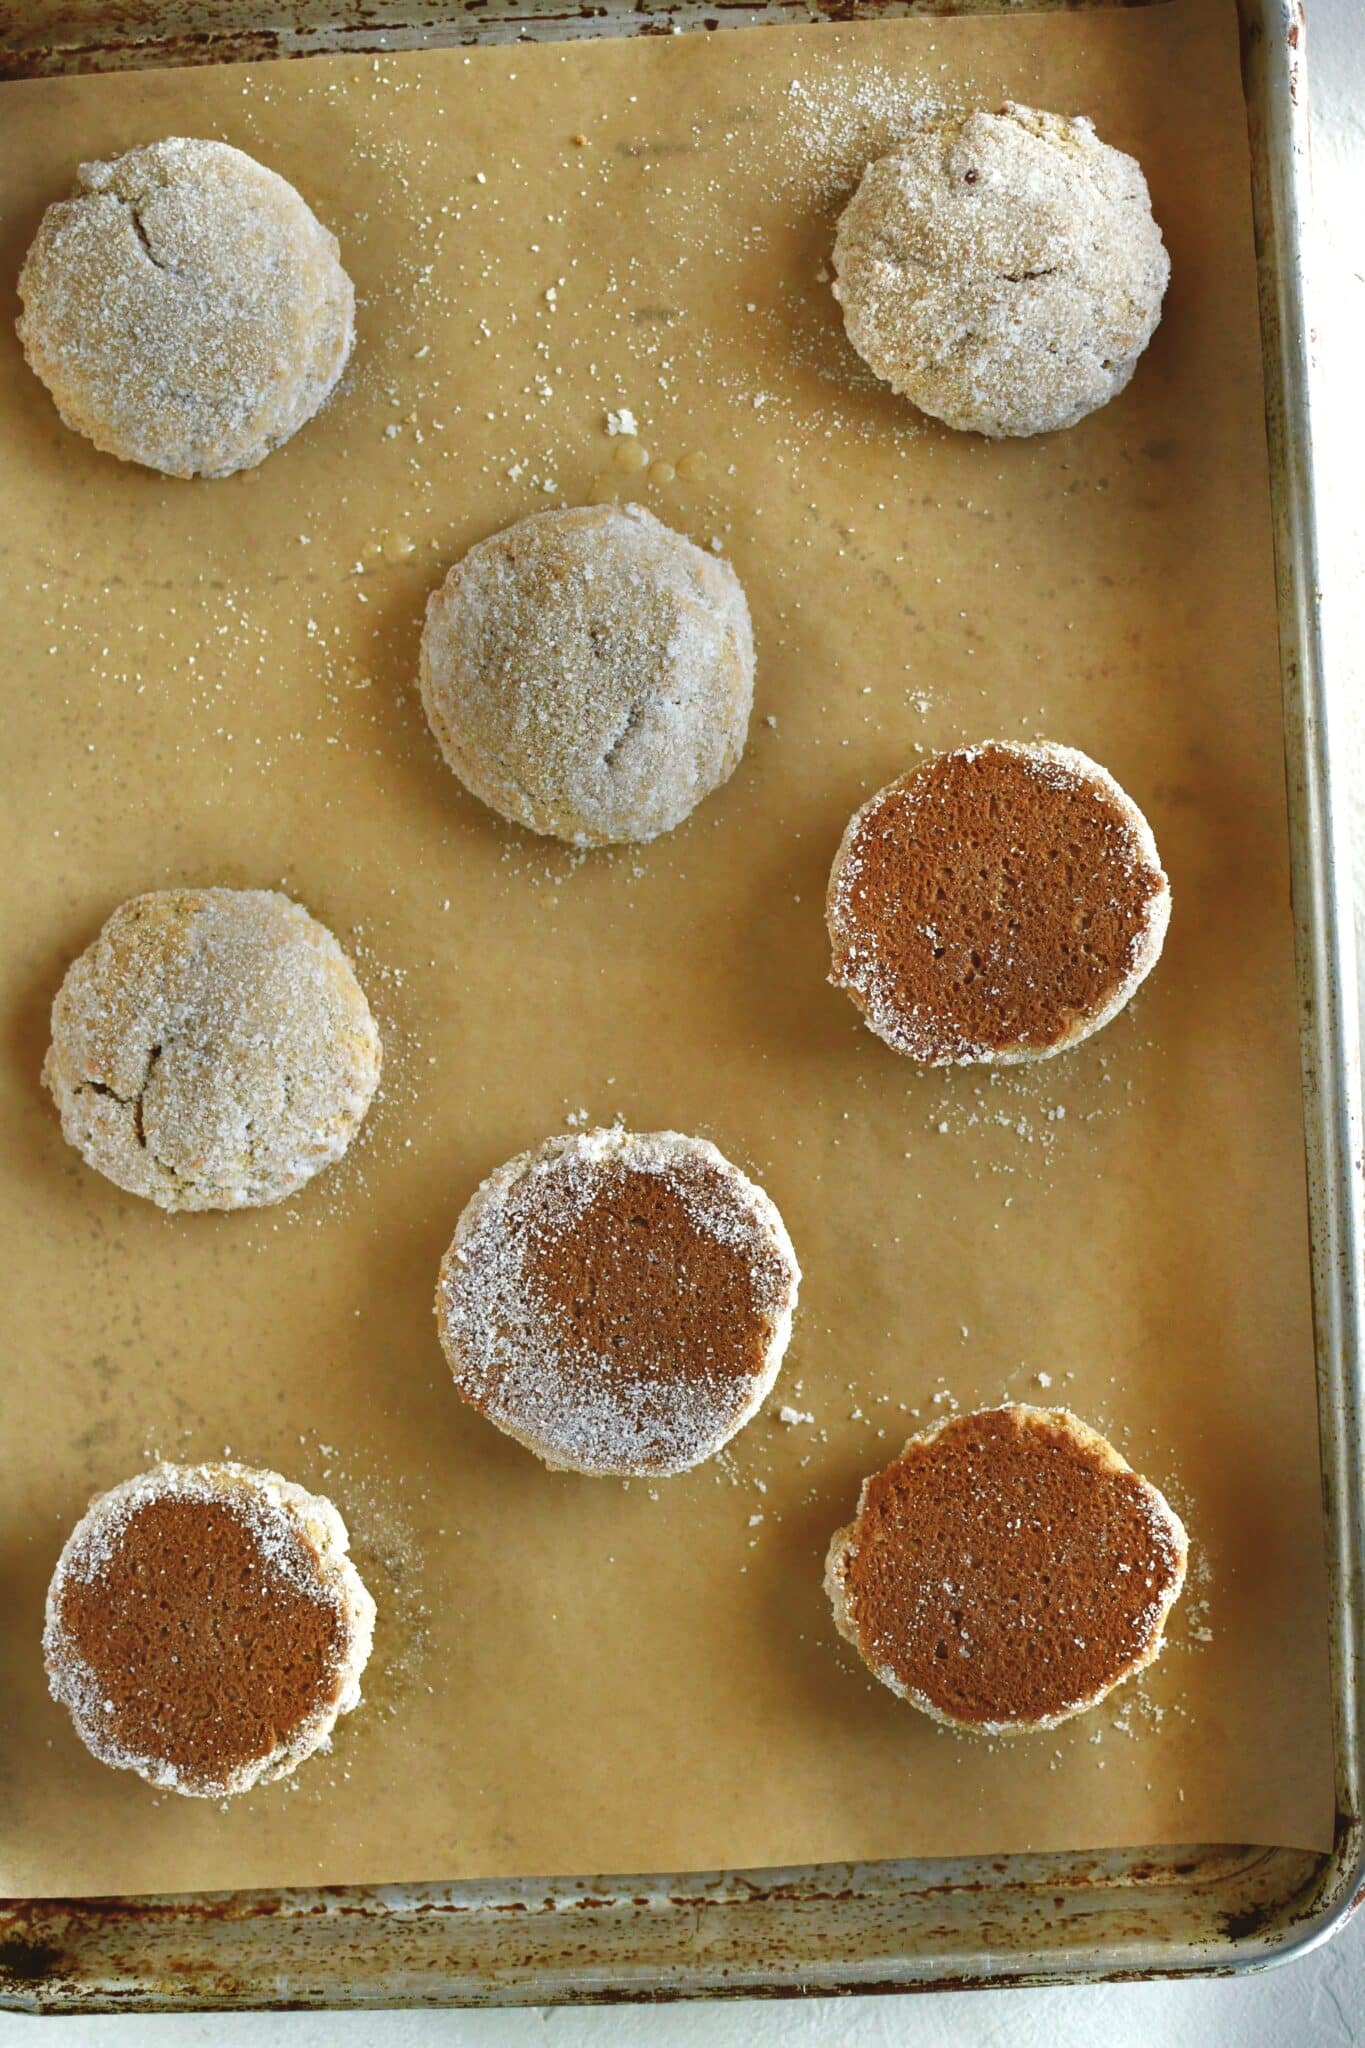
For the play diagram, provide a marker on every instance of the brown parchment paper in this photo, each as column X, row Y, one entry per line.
column 216, row 682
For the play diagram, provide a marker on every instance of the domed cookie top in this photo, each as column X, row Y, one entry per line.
column 999, row 903
column 1002, row 271
column 618, row 1302
column 590, row 673
column 185, row 308
column 1007, row 1570
column 212, row 1049
column 206, row 1628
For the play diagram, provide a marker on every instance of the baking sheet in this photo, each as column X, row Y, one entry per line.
column 217, row 682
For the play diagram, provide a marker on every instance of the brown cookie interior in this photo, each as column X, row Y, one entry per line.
column 1004, row 1571
column 207, row 1651
column 639, row 1290
column 987, row 901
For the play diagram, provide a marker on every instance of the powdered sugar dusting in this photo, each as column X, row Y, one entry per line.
column 836, row 127
column 212, row 1049
column 590, row 673
column 507, row 1350
column 930, row 1034
column 301, row 1540
column 185, row 308
column 1045, row 1619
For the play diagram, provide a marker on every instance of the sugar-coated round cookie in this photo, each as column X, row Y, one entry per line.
column 206, row 1627
column 1003, row 271
column 618, row 1302
column 185, row 308
column 212, row 1049
column 1007, row 1570
column 997, row 904
column 590, row 673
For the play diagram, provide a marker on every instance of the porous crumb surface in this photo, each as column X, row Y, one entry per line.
column 212, row 1049
column 997, row 904
column 206, row 1627
column 590, row 673
column 619, row 1302
column 1007, row 1570
column 1003, row 271
column 185, row 308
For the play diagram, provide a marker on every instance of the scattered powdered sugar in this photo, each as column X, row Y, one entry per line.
column 386, row 1509
column 835, row 126
column 1003, row 272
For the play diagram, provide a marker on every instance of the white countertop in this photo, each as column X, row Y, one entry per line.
column 1316, row 2003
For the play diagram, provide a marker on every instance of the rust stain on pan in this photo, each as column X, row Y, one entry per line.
column 146, row 37
column 26, row 1963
